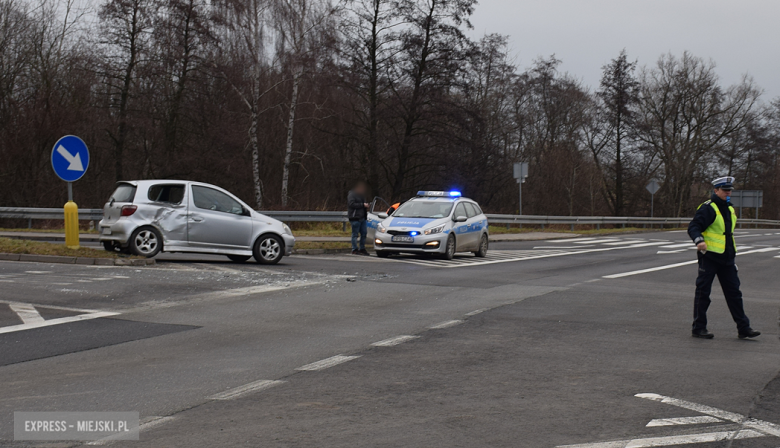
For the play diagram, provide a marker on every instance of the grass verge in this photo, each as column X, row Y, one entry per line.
column 14, row 246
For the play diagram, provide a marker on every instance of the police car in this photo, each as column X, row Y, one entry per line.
column 433, row 222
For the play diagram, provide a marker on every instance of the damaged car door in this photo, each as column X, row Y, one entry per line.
column 170, row 213
column 218, row 222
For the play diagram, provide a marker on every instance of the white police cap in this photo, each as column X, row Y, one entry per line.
column 726, row 183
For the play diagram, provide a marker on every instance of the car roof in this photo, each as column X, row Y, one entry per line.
column 440, row 199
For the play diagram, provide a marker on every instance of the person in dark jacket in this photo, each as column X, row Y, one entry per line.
column 357, row 212
column 712, row 230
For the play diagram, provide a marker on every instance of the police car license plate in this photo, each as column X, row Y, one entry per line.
column 403, row 239
column 106, row 231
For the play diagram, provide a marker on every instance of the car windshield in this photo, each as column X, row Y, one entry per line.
column 424, row 209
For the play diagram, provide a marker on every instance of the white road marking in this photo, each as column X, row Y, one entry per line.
column 672, row 251
column 26, row 312
column 394, row 341
column 39, row 272
column 148, row 423
column 672, row 440
column 644, row 271
column 759, row 425
column 327, row 362
column 246, row 389
column 675, row 246
column 573, row 240
column 683, row 421
column 564, row 247
column 475, row 312
column 677, row 265
column 446, row 324
column 617, row 243
column 61, row 320
column 603, row 240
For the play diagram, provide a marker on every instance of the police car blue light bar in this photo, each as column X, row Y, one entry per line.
column 452, row 194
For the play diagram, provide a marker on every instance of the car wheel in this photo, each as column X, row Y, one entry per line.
column 239, row 258
column 146, row 242
column 449, row 250
column 382, row 253
column 483, row 247
column 109, row 246
column 268, row 249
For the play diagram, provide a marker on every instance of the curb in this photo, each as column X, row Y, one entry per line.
column 87, row 261
column 320, row 251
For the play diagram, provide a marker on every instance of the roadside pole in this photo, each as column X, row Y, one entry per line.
column 70, row 160
column 520, row 173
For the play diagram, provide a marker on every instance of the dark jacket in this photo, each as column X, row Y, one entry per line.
column 704, row 217
column 355, row 208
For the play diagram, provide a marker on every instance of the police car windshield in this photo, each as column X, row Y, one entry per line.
column 424, row 209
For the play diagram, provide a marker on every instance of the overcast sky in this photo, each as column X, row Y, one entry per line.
column 741, row 36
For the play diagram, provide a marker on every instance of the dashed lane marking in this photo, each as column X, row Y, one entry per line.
column 327, row 363
column 475, row 312
column 246, row 389
column 446, row 324
column 147, row 423
column 394, row 341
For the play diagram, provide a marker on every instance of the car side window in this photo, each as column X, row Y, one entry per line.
column 460, row 210
column 470, row 210
column 476, row 208
column 172, row 194
column 211, row 199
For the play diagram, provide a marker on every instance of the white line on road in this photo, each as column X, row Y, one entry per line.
column 618, row 243
column 475, row 312
column 675, row 246
column 677, row 265
column 148, row 423
column 765, row 427
column 394, row 341
column 672, row 440
column 246, row 389
column 672, row 251
column 446, row 324
column 327, row 362
column 682, row 421
column 26, row 312
column 603, row 240
column 61, row 320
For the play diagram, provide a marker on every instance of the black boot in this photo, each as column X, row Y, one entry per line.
column 704, row 334
column 748, row 333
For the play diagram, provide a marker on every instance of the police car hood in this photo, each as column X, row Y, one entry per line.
column 397, row 223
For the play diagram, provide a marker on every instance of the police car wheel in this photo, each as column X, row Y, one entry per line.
column 449, row 251
column 382, row 254
column 109, row 246
column 483, row 247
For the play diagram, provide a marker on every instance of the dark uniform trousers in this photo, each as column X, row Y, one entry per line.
column 729, row 282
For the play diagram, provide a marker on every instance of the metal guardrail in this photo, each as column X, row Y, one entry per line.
column 96, row 214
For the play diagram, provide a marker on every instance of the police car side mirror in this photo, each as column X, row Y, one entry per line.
column 460, row 219
column 382, row 215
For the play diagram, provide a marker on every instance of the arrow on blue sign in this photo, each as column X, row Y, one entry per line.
column 70, row 158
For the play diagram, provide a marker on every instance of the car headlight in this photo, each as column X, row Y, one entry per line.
column 380, row 228
column 434, row 230
column 287, row 229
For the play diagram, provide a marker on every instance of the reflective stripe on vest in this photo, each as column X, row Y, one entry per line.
column 715, row 234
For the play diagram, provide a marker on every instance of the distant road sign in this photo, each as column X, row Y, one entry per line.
column 747, row 198
column 653, row 186
column 70, row 158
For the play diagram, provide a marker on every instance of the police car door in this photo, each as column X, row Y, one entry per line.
column 376, row 214
column 463, row 237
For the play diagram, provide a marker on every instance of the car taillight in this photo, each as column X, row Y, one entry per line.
column 128, row 210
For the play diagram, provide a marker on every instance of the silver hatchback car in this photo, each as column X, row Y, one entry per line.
column 147, row 217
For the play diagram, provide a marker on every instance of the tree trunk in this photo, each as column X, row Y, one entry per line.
column 290, row 132
column 254, row 143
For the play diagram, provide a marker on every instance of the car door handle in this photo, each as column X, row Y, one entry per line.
column 197, row 219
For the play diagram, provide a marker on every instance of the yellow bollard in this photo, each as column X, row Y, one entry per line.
column 71, row 225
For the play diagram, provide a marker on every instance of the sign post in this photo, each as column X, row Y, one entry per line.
column 520, row 173
column 70, row 160
column 653, row 188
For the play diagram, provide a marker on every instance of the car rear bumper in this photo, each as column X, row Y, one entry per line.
column 118, row 231
column 422, row 243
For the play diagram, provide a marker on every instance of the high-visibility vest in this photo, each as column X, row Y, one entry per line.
column 715, row 234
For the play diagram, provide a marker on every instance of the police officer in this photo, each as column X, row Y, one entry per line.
column 712, row 230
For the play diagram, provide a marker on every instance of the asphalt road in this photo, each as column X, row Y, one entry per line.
column 541, row 344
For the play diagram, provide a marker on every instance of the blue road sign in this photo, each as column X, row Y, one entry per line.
column 70, row 158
